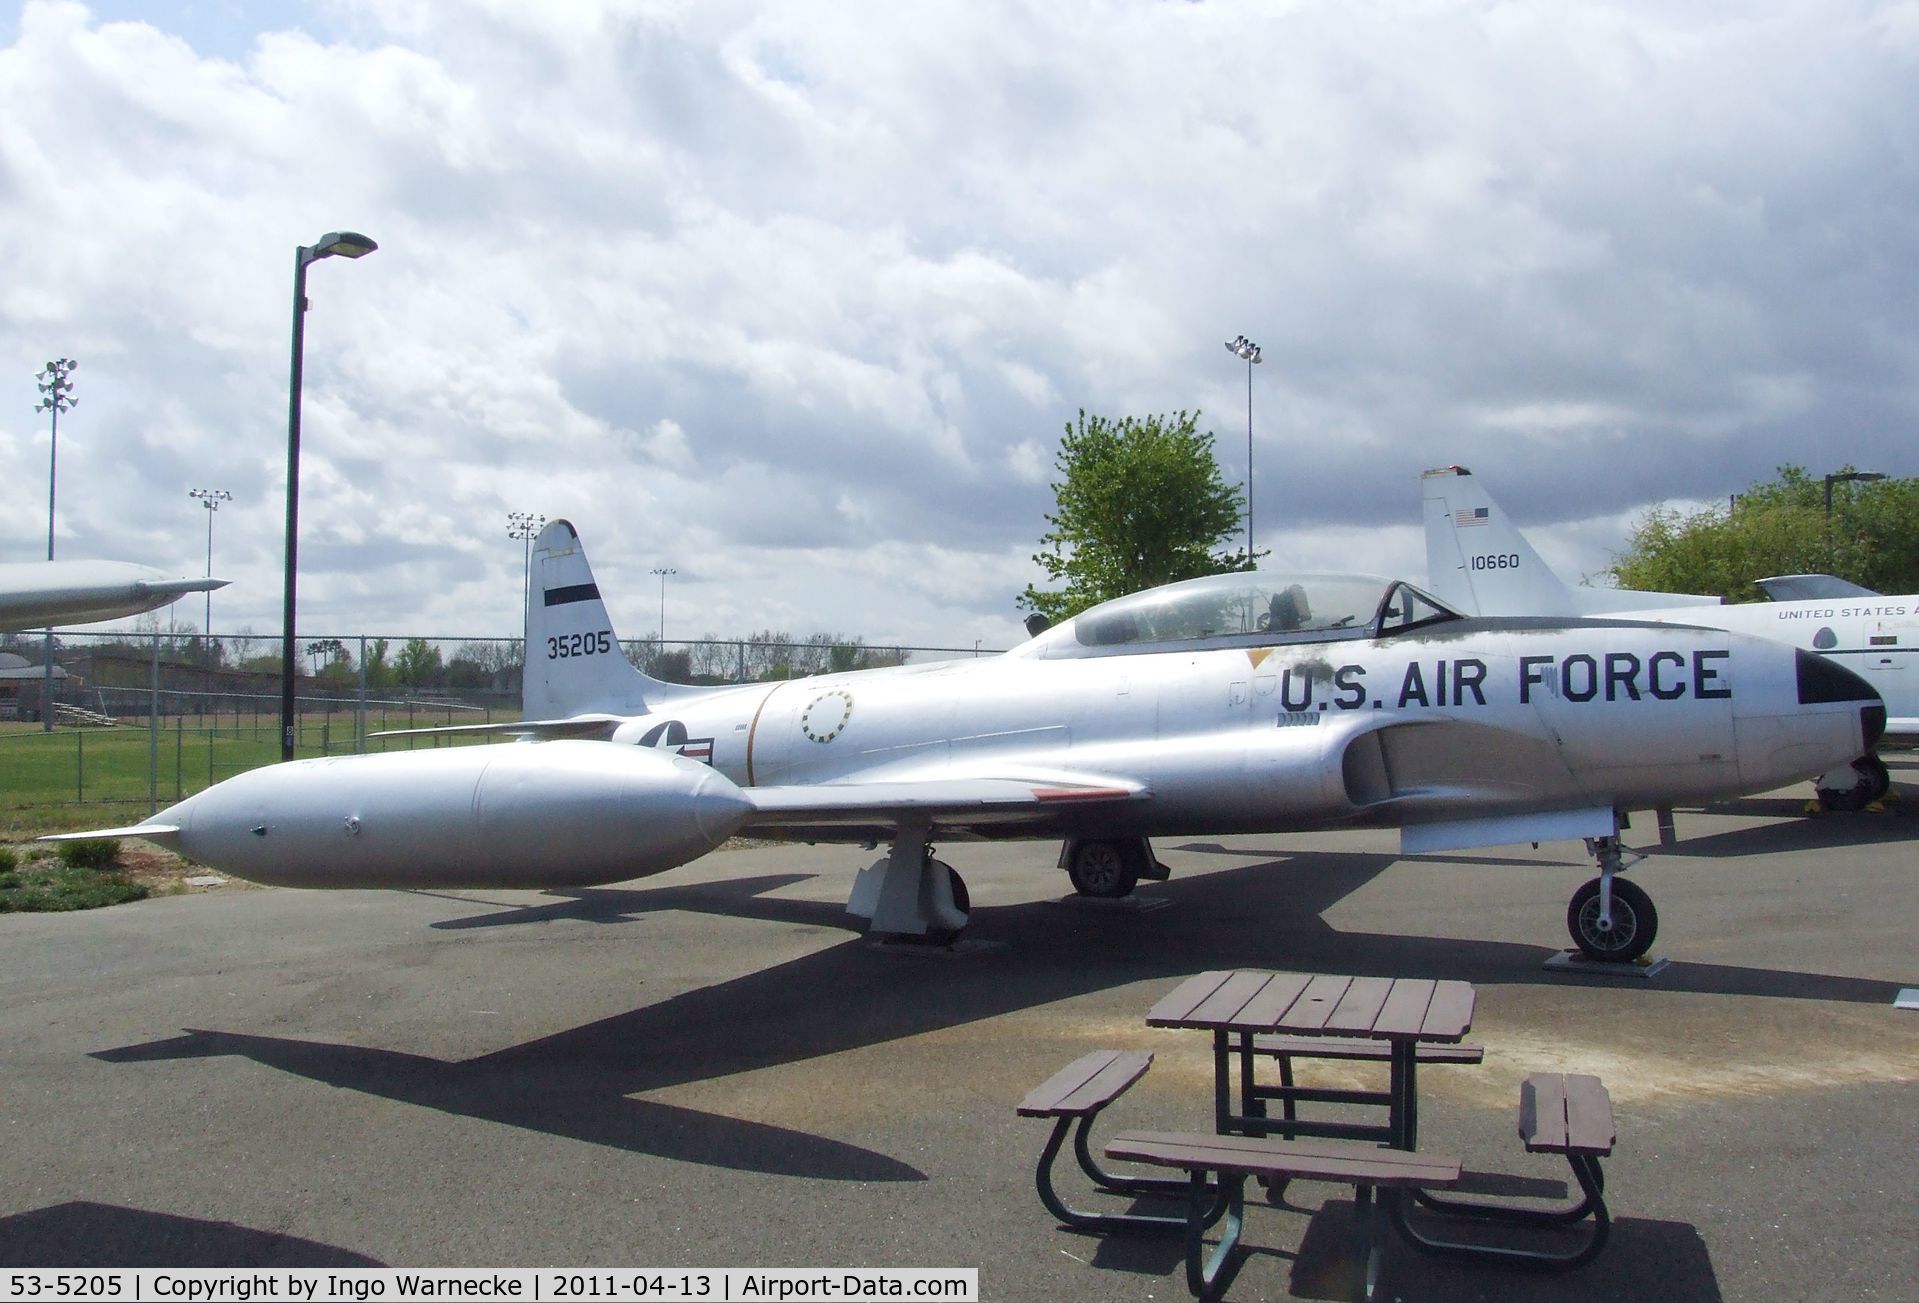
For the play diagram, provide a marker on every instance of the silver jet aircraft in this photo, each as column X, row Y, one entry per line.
column 1240, row 703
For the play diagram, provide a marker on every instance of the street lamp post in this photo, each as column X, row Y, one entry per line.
column 663, row 572
column 343, row 244
column 523, row 525
column 1241, row 347
column 211, row 500
column 56, row 389
column 1843, row 477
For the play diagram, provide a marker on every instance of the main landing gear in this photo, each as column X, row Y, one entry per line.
column 1610, row 919
column 1110, row 869
column 911, row 895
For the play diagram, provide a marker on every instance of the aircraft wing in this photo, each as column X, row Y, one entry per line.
column 58, row 593
column 866, row 811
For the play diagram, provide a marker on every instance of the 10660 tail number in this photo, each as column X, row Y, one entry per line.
column 568, row 645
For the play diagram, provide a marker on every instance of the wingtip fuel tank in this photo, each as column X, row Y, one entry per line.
column 523, row 815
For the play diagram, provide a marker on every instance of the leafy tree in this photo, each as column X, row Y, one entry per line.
column 379, row 670
column 1780, row 528
column 1140, row 503
column 328, row 652
column 418, row 664
column 671, row 666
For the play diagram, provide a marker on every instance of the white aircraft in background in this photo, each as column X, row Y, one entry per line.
column 43, row 594
column 1478, row 561
column 1238, row 703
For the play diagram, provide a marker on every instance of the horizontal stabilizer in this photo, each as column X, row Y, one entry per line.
column 1507, row 830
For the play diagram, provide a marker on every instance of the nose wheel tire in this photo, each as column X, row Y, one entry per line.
column 1871, row 781
column 1634, row 922
column 1105, row 869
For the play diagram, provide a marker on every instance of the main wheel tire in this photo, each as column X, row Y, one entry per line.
column 1104, row 869
column 942, row 936
column 1634, row 922
column 962, row 901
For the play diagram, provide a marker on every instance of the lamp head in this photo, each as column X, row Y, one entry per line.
column 343, row 244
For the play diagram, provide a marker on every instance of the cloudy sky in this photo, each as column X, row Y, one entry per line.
column 796, row 297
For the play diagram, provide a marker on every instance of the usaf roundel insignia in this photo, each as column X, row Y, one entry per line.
column 825, row 719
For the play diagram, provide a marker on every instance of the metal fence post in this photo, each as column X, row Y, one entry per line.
column 80, row 765
column 359, row 727
column 153, row 733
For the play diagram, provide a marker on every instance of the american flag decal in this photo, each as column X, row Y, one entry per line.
column 1466, row 517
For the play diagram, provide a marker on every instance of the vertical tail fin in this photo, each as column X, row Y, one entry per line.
column 574, row 663
column 1478, row 562
column 1476, row 559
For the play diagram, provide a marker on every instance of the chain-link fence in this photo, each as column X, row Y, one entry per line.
column 154, row 717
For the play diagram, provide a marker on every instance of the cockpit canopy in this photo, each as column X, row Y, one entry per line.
column 1243, row 609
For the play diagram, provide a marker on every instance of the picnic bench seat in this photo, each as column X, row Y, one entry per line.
column 1236, row 1157
column 1559, row 1113
column 1077, row 1094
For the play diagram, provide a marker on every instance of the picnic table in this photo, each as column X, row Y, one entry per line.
column 1255, row 1015
column 1239, row 1006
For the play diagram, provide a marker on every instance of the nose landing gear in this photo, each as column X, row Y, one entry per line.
column 1610, row 919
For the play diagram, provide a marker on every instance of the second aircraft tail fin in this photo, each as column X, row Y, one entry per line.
column 1476, row 559
column 1478, row 562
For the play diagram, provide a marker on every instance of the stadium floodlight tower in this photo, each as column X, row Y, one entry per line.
column 1246, row 350
column 340, row 244
column 211, row 500
column 56, row 396
column 523, row 525
column 663, row 572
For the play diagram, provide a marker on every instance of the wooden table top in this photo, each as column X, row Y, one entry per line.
column 1383, row 1008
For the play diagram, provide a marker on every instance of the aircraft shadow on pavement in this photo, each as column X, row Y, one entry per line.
column 1820, row 832
column 81, row 1234
column 733, row 897
column 579, row 1082
column 570, row 1097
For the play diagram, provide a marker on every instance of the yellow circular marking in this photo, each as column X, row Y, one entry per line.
column 825, row 717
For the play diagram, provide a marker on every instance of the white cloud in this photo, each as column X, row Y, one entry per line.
column 797, row 297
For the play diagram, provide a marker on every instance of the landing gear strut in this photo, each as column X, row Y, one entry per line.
column 1610, row 919
column 910, row 894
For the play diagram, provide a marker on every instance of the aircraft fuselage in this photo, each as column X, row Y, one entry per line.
column 1462, row 720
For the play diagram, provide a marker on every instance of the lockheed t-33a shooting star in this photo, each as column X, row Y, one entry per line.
column 1240, row 703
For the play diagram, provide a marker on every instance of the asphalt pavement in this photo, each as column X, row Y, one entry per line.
column 714, row 1068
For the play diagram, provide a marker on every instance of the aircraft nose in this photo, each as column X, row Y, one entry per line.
column 1823, row 680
